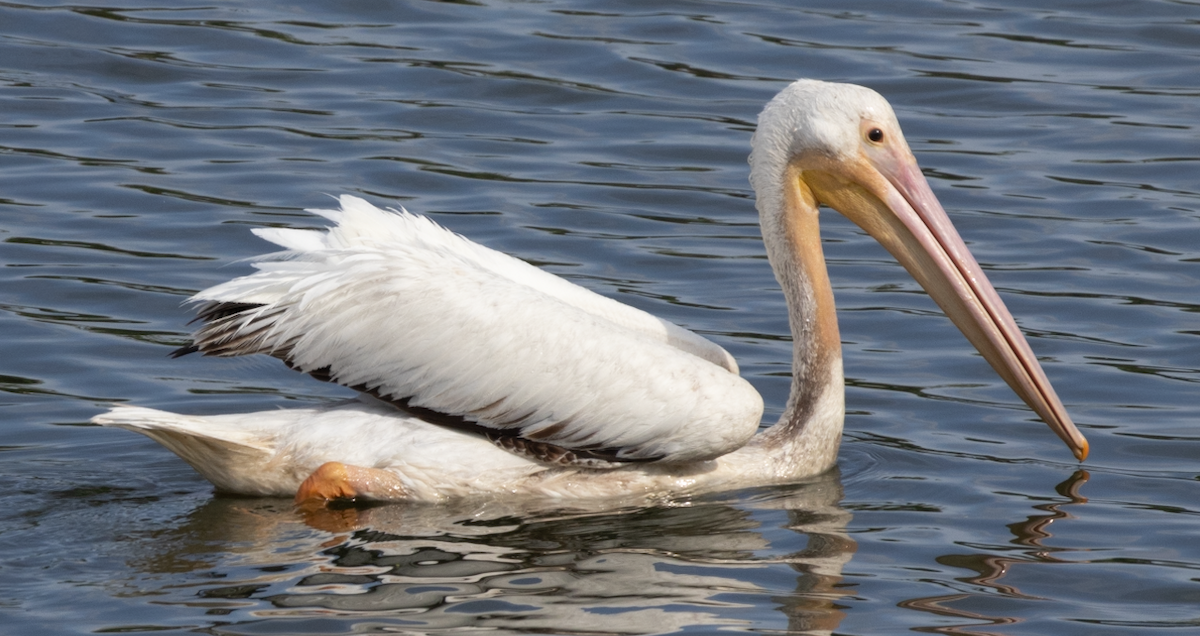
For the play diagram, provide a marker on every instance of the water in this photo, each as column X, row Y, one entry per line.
column 606, row 141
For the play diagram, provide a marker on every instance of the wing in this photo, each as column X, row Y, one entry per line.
column 393, row 305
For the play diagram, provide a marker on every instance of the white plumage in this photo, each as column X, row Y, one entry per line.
column 481, row 374
column 394, row 303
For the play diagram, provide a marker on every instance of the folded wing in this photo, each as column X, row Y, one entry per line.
column 393, row 305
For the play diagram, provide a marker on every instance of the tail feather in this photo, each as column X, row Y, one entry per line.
column 234, row 457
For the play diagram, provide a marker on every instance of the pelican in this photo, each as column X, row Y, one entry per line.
column 481, row 375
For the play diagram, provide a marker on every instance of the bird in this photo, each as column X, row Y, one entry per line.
column 479, row 375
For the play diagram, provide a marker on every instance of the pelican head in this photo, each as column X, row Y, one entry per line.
column 840, row 146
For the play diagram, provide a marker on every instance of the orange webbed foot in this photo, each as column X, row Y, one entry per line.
column 335, row 480
column 331, row 480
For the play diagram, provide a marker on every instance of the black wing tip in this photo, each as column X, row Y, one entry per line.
column 185, row 350
column 215, row 310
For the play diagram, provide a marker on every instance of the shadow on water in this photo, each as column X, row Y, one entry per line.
column 260, row 564
column 714, row 561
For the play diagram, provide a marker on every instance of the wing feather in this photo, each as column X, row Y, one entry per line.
column 391, row 303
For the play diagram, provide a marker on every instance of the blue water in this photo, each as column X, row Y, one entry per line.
column 606, row 142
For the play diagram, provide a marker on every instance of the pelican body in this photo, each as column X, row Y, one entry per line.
column 479, row 374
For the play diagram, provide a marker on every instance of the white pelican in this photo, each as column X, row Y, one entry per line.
column 482, row 375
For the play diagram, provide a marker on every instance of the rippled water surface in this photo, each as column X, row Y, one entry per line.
column 606, row 141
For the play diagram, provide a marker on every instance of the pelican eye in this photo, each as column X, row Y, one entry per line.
column 875, row 135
